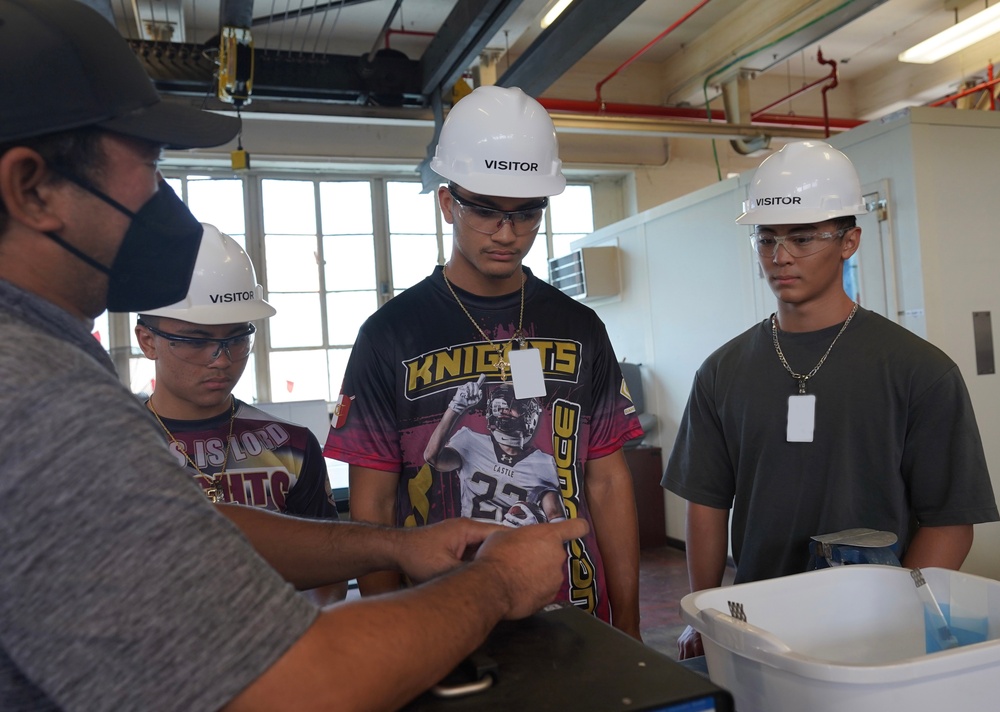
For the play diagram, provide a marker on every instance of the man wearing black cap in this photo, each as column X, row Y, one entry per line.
column 122, row 588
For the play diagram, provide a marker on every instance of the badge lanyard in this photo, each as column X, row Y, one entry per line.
column 802, row 406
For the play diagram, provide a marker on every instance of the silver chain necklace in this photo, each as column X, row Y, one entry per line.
column 798, row 376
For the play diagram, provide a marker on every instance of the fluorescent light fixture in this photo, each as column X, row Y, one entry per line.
column 955, row 38
column 555, row 12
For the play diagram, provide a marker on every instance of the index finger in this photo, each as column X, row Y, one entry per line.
column 570, row 528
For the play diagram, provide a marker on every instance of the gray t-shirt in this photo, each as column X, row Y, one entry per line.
column 122, row 588
column 895, row 445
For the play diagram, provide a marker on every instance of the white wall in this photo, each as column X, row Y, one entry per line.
column 689, row 286
column 941, row 164
column 691, row 283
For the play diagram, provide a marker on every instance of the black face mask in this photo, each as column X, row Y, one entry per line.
column 155, row 261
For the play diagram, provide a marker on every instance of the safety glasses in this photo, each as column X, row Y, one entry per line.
column 489, row 221
column 204, row 350
column 797, row 244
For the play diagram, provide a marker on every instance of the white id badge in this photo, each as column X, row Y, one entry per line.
column 801, row 418
column 526, row 372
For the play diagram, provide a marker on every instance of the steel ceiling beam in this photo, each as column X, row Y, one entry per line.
column 458, row 43
column 563, row 43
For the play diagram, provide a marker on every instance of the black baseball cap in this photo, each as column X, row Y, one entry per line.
column 66, row 67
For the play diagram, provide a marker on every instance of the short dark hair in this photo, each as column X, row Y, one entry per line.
column 845, row 223
column 77, row 152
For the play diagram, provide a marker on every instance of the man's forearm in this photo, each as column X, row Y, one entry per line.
column 431, row 636
column 376, row 654
column 311, row 553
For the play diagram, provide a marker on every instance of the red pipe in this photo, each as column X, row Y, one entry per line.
column 828, row 87
column 972, row 90
column 599, row 106
column 573, row 106
column 826, row 113
column 652, row 42
column 993, row 96
column 789, row 97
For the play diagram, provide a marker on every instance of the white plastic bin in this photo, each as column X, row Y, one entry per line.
column 850, row 639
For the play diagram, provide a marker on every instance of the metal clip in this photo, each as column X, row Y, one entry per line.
column 877, row 205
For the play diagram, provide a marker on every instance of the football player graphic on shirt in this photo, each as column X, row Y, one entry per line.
column 503, row 478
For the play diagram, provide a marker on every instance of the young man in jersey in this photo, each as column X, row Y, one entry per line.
column 826, row 416
column 499, row 156
column 200, row 347
column 123, row 588
column 500, row 471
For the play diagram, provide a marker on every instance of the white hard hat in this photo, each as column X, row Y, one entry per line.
column 224, row 287
column 500, row 142
column 804, row 182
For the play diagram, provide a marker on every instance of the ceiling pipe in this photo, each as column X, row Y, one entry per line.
column 789, row 97
column 655, row 40
column 736, row 100
column 988, row 84
column 832, row 85
column 993, row 95
column 832, row 76
column 743, row 146
column 574, row 106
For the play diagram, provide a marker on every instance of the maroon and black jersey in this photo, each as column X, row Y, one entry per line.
column 412, row 355
column 272, row 464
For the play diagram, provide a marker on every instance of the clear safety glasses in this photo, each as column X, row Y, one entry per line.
column 204, row 350
column 490, row 221
column 798, row 244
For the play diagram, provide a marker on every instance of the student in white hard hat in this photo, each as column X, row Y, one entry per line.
column 123, row 588
column 200, row 346
column 446, row 347
column 826, row 416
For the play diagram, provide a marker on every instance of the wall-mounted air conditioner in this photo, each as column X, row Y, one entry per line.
column 586, row 273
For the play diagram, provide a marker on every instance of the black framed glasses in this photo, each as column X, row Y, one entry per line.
column 797, row 244
column 489, row 221
column 203, row 350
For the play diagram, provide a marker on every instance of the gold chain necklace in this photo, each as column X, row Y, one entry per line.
column 518, row 336
column 798, row 376
column 214, row 493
